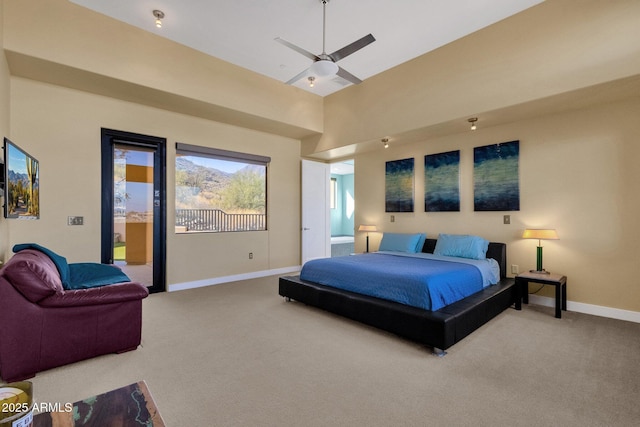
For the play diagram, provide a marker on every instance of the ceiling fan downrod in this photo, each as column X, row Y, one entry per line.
column 325, row 65
column 324, row 26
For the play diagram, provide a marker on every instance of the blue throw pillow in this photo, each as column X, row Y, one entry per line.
column 462, row 246
column 59, row 261
column 401, row 242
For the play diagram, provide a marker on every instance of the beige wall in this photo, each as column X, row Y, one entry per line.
column 60, row 42
column 578, row 174
column 4, row 85
column 4, row 129
column 64, row 88
column 555, row 47
column 557, row 64
column 61, row 127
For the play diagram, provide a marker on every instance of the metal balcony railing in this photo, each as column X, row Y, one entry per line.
column 217, row 220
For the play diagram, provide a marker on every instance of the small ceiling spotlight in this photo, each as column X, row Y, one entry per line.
column 385, row 142
column 159, row 15
column 311, row 81
column 473, row 121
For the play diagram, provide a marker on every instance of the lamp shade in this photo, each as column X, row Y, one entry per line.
column 324, row 67
column 540, row 234
column 367, row 228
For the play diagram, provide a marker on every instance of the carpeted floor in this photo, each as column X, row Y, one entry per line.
column 237, row 354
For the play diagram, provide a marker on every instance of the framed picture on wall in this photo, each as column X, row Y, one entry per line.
column 496, row 184
column 442, row 182
column 399, row 185
column 21, row 183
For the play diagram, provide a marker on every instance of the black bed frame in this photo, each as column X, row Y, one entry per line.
column 437, row 329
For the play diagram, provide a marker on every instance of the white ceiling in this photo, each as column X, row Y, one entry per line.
column 242, row 32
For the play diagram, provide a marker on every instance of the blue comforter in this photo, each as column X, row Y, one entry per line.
column 420, row 280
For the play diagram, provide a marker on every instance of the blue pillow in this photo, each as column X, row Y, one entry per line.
column 420, row 244
column 462, row 246
column 401, row 242
column 59, row 261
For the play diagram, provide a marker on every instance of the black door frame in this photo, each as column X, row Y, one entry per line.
column 108, row 138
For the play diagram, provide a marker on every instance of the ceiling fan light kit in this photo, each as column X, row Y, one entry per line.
column 324, row 65
column 159, row 15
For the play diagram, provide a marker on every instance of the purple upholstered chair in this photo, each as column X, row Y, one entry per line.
column 42, row 325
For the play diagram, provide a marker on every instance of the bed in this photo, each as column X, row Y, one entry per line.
column 439, row 329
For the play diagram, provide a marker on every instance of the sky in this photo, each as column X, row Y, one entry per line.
column 222, row 165
column 16, row 160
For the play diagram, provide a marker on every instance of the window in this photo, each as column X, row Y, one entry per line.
column 220, row 190
column 333, row 190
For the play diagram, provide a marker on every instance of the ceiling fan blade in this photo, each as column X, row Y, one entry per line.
column 297, row 49
column 297, row 77
column 348, row 76
column 351, row 48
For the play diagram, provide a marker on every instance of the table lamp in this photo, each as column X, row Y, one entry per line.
column 540, row 234
column 367, row 228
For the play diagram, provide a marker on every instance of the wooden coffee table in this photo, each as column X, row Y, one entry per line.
column 124, row 407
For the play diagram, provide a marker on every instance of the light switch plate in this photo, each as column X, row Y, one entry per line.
column 75, row 220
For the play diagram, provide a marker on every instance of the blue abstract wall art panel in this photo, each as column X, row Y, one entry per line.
column 442, row 182
column 496, row 185
column 399, row 186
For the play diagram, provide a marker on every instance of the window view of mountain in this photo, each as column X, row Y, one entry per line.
column 218, row 195
column 202, row 187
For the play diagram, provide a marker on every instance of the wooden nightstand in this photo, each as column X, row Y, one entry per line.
column 557, row 280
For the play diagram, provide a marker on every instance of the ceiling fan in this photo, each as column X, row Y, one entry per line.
column 323, row 64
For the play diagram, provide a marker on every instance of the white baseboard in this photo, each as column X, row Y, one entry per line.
column 596, row 310
column 233, row 278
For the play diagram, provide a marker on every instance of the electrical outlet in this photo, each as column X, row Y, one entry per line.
column 515, row 269
column 75, row 220
column 393, row 218
column 250, row 255
column 507, row 219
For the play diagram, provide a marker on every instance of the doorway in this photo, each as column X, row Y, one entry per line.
column 133, row 206
column 328, row 206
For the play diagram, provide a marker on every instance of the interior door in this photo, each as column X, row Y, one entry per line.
column 316, row 220
column 133, row 206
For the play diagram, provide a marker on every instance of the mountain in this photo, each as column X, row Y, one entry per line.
column 14, row 177
column 260, row 170
column 202, row 187
column 207, row 179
